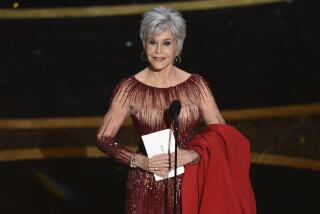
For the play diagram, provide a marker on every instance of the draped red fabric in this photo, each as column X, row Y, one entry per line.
column 220, row 183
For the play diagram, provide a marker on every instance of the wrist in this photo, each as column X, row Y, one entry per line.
column 194, row 155
column 138, row 160
column 133, row 161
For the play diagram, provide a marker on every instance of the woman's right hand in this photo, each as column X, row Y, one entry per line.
column 158, row 164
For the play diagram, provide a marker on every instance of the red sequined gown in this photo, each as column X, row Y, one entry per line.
column 147, row 106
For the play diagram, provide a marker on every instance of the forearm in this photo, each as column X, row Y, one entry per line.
column 114, row 150
column 185, row 157
column 195, row 157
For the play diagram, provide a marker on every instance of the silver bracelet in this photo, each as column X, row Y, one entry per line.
column 133, row 161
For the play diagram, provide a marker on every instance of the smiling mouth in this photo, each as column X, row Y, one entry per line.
column 159, row 58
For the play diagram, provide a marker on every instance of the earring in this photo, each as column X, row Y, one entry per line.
column 143, row 56
column 178, row 59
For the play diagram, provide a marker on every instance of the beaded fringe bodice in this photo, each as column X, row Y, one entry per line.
column 148, row 107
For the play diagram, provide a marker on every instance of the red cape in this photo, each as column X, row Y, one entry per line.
column 220, row 182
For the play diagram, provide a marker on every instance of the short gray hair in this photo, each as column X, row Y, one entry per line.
column 160, row 18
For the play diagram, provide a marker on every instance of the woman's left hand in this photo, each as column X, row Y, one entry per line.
column 183, row 157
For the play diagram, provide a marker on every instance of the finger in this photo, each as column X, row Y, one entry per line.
column 159, row 163
column 164, row 170
column 159, row 160
column 172, row 164
column 160, row 157
column 162, row 173
column 161, row 168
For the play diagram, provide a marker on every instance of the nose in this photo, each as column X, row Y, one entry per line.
column 158, row 48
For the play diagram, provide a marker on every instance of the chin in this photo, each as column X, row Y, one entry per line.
column 159, row 66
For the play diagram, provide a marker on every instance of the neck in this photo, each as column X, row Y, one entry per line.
column 162, row 77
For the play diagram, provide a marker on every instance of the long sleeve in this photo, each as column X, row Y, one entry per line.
column 209, row 108
column 118, row 111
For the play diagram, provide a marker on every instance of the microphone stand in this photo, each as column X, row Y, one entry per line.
column 175, row 134
column 174, row 110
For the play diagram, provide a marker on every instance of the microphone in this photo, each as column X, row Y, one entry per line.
column 174, row 109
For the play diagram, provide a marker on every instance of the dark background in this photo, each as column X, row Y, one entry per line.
column 254, row 56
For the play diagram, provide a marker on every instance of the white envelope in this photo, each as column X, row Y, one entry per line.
column 158, row 143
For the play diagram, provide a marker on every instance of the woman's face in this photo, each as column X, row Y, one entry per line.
column 161, row 50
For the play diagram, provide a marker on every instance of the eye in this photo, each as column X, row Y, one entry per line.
column 166, row 43
column 152, row 42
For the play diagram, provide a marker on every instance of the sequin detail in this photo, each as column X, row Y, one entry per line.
column 114, row 150
column 148, row 108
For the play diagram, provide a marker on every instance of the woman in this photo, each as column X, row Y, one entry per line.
column 146, row 97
